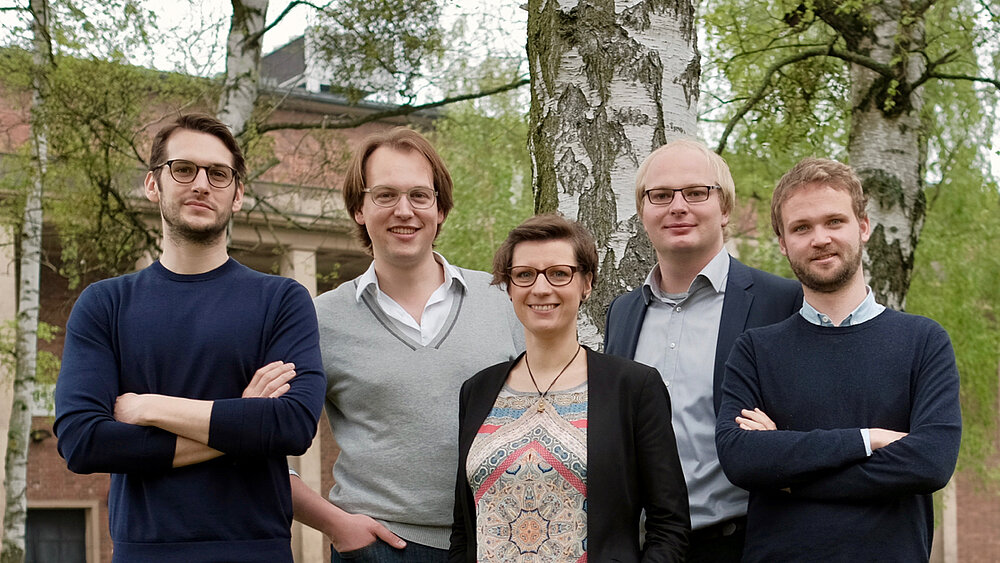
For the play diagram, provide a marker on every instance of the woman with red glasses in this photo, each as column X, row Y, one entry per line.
column 561, row 449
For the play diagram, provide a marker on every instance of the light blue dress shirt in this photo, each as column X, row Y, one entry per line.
column 678, row 337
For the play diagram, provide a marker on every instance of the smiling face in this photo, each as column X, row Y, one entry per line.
column 692, row 230
column 544, row 309
column 194, row 212
column 823, row 238
column 401, row 235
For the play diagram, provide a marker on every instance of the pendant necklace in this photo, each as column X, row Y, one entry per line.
column 541, row 395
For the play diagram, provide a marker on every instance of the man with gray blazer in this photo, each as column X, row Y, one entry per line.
column 685, row 317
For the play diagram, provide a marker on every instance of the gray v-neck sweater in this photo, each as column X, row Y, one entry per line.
column 393, row 403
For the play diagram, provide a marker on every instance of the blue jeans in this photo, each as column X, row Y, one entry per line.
column 381, row 552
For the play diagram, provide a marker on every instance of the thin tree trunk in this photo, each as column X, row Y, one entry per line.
column 30, row 241
column 610, row 82
column 239, row 93
column 887, row 149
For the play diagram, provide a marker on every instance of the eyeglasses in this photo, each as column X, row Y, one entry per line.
column 692, row 194
column 558, row 275
column 184, row 171
column 387, row 196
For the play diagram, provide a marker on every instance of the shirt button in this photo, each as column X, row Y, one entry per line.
column 678, row 309
column 825, row 319
column 673, row 345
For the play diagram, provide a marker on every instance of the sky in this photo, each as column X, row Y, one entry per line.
column 212, row 49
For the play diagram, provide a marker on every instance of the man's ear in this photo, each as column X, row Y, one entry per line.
column 151, row 188
column 781, row 246
column 866, row 229
column 238, row 196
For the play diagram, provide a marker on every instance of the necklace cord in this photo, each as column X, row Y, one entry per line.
column 541, row 395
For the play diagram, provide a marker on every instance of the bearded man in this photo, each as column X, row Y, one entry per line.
column 191, row 380
column 842, row 420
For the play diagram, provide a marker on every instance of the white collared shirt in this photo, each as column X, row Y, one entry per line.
column 435, row 311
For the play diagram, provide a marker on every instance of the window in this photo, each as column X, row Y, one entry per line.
column 56, row 534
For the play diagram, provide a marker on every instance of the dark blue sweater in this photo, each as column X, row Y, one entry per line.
column 202, row 337
column 814, row 494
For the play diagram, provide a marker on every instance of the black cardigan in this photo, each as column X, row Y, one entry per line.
column 632, row 463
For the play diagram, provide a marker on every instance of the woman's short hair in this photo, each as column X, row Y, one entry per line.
column 400, row 139
column 548, row 226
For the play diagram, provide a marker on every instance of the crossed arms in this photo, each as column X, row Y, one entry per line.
column 190, row 419
column 156, row 432
column 831, row 463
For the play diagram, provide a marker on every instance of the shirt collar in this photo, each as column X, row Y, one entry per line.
column 716, row 272
column 866, row 311
column 451, row 275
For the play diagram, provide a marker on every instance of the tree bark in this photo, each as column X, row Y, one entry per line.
column 611, row 80
column 239, row 92
column 30, row 247
column 886, row 146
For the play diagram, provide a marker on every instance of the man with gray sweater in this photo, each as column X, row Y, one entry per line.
column 397, row 343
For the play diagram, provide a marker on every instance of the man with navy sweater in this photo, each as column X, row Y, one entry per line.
column 684, row 319
column 842, row 420
column 191, row 380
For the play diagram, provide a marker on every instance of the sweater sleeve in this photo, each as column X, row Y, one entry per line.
column 90, row 439
column 286, row 425
column 668, row 522
column 774, row 459
column 921, row 462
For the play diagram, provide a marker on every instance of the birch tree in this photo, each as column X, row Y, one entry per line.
column 906, row 93
column 881, row 50
column 30, row 251
column 244, row 45
column 611, row 81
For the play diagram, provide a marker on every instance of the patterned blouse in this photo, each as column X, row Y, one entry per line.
column 527, row 470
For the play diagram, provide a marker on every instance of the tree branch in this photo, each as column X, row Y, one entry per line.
column 827, row 51
column 942, row 76
column 399, row 111
column 256, row 37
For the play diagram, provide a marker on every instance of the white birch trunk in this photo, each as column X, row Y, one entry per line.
column 610, row 82
column 886, row 148
column 239, row 93
column 15, row 483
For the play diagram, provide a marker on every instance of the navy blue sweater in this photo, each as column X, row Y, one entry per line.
column 814, row 494
column 202, row 337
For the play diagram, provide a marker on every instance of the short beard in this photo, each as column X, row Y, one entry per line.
column 832, row 283
column 182, row 234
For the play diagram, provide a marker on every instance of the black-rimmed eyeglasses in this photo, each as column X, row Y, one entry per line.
column 691, row 194
column 184, row 172
column 558, row 275
column 388, row 196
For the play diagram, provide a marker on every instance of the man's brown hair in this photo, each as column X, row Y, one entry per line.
column 809, row 171
column 203, row 123
column 400, row 139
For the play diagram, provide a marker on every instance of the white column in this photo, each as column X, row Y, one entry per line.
column 307, row 543
column 949, row 521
